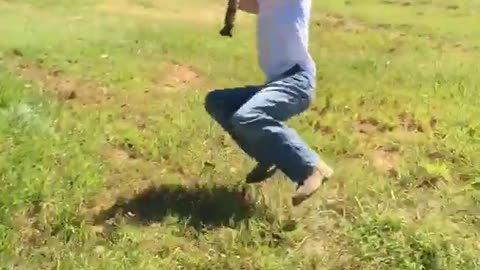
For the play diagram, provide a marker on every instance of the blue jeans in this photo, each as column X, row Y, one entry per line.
column 253, row 117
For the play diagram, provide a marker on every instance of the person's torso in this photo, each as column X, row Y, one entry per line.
column 282, row 36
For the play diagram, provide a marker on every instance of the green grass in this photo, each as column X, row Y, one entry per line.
column 131, row 173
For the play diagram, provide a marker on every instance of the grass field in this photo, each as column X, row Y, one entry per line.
column 108, row 159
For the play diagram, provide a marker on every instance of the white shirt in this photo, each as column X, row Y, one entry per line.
column 282, row 36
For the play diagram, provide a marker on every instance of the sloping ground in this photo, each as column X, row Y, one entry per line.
column 108, row 160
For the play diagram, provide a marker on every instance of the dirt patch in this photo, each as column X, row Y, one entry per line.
column 72, row 90
column 452, row 7
column 386, row 161
column 369, row 126
column 65, row 88
column 26, row 225
column 323, row 129
column 436, row 156
column 409, row 123
column 314, row 247
column 406, row 129
column 116, row 155
column 177, row 77
column 337, row 21
column 405, row 3
column 365, row 127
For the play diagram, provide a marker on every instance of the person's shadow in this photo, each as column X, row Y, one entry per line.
column 200, row 206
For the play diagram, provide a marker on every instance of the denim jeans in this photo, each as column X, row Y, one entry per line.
column 253, row 117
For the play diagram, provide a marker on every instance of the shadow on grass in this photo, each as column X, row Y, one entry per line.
column 200, row 207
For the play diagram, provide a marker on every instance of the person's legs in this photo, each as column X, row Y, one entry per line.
column 259, row 122
column 221, row 104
